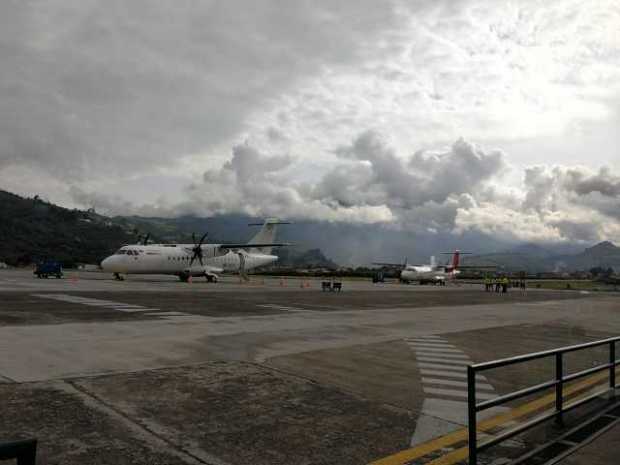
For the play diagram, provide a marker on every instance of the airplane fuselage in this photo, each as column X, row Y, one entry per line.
column 427, row 274
column 175, row 259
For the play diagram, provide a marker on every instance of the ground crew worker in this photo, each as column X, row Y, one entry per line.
column 497, row 284
column 487, row 283
column 504, row 285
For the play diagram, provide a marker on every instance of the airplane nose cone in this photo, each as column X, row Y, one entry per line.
column 105, row 264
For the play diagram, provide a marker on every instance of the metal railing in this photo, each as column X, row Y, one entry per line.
column 24, row 451
column 473, row 407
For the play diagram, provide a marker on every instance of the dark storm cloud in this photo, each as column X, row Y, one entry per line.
column 407, row 183
column 605, row 183
column 370, row 183
column 578, row 231
column 556, row 188
column 249, row 164
column 94, row 87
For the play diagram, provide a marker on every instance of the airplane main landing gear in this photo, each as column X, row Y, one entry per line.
column 118, row 277
column 211, row 278
column 184, row 277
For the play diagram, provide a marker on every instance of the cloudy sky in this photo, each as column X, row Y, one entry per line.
column 462, row 116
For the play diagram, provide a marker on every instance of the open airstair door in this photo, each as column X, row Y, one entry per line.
column 242, row 271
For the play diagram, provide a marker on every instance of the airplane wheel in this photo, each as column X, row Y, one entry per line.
column 184, row 277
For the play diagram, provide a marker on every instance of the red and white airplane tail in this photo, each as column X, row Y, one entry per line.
column 456, row 260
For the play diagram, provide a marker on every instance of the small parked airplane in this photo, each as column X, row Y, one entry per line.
column 430, row 273
column 197, row 259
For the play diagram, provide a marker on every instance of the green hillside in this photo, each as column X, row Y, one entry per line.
column 32, row 229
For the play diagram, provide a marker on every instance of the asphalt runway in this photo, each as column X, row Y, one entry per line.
column 275, row 371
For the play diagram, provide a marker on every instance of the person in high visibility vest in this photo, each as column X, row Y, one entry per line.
column 505, row 284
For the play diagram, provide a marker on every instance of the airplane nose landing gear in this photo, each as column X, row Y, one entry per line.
column 118, row 277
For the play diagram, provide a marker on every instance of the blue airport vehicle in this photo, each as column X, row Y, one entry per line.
column 45, row 269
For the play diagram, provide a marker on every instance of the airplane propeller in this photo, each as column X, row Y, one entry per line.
column 197, row 249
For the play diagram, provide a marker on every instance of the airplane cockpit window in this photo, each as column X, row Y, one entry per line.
column 120, row 252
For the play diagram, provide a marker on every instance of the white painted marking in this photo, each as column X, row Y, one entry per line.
column 427, row 341
column 450, row 374
column 440, row 351
column 444, row 360
column 167, row 314
column 461, row 368
column 134, row 310
column 425, row 353
column 443, row 368
column 450, row 382
column 108, row 304
column 430, row 336
column 132, row 307
column 454, row 393
column 424, row 345
column 119, row 305
column 281, row 307
column 90, row 302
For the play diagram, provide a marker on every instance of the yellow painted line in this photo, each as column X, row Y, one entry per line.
column 461, row 454
column 402, row 457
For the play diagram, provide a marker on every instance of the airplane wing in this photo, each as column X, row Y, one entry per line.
column 204, row 268
column 254, row 246
column 481, row 267
column 395, row 265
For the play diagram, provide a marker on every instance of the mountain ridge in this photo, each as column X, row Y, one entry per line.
column 523, row 258
column 31, row 228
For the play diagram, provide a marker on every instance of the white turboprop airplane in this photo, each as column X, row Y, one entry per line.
column 431, row 273
column 197, row 259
